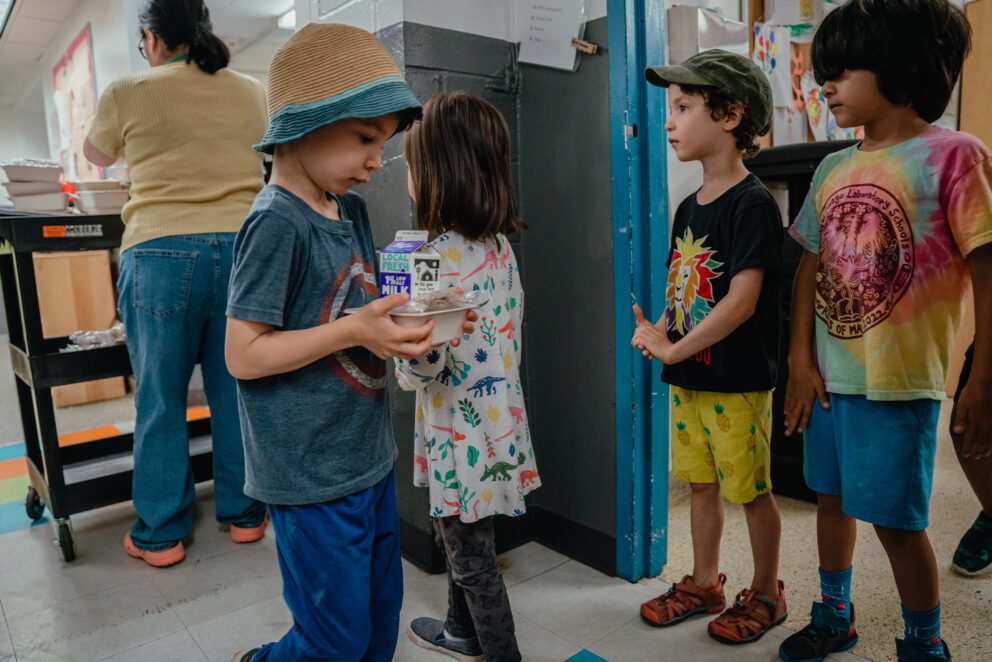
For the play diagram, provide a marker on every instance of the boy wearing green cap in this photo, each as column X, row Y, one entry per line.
column 718, row 339
column 318, row 442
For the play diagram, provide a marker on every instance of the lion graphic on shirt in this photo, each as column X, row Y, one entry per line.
column 689, row 292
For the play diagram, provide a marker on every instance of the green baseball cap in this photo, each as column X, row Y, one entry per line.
column 734, row 74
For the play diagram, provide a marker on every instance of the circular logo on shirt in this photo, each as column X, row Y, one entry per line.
column 356, row 366
column 866, row 259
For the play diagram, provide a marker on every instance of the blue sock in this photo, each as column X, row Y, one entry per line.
column 835, row 588
column 923, row 628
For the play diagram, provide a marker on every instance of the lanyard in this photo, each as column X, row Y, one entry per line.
column 177, row 58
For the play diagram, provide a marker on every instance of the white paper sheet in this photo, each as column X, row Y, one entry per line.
column 546, row 31
column 788, row 127
column 772, row 52
column 821, row 120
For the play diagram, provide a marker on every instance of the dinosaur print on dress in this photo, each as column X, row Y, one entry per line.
column 501, row 470
column 470, row 402
column 486, row 385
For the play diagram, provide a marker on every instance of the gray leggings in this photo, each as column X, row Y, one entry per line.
column 477, row 602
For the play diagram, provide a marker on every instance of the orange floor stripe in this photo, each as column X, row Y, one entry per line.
column 13, row 468
column 70, row 438
column 19, row 467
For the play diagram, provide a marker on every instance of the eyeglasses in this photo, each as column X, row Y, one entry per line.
column 141, row 48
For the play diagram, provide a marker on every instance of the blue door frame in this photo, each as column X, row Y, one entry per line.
column 640, row 246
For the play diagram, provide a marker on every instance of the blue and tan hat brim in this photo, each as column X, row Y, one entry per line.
column 383, row 96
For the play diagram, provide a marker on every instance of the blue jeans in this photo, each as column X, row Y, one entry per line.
column 172, row 300
column 342, row 577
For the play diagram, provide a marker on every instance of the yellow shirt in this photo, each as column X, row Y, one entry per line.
column 187, row 138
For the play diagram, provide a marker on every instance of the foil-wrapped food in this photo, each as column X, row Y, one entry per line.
column 441, row 301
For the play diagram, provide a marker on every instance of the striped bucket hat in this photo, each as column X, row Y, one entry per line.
column 328, row 72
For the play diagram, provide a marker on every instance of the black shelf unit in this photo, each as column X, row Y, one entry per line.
column 91, row 474
column 793, row 165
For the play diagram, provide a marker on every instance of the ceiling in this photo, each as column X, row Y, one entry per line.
column 31, row 27
column 247, row 26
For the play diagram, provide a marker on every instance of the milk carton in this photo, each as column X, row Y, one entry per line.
column 409, row 265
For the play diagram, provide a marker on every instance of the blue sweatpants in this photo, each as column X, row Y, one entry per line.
column 342, row 577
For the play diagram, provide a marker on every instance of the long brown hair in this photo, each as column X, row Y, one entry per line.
column 459, row 158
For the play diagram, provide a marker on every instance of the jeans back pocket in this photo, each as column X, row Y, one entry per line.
column 162, row 280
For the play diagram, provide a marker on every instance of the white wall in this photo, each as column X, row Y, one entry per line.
column 113, row 31
column 488, row 18
column 9, row 141
column 685, row 178
column 732, row 9
column 28, row 129
column 22, row 135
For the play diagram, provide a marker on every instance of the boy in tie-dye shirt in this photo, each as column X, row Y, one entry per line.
column 895, row 229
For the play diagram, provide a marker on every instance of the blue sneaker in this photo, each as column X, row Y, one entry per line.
column 828, row 632
column 429, row 633
column 909, row 652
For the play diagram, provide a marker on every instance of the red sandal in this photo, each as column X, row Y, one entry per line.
column 683, row 600
column 750, row 617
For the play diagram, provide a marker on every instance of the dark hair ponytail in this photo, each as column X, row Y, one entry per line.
column 178, row 22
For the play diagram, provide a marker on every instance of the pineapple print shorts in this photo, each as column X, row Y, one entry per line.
column 723, row 438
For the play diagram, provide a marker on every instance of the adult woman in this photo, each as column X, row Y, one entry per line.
column 187, row 125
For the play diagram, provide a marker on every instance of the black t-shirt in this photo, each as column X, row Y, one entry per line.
column 742, row 229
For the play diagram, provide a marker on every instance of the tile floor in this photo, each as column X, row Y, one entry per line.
column 105, row 606
column 966, row 602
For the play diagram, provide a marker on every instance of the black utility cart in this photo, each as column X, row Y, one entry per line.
column 87, row 475
column 793, row 165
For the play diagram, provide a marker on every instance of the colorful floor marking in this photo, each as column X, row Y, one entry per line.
column 586, row 656
column 14, row 469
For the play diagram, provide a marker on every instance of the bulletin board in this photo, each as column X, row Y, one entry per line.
column 783, row 52
column 74, row 93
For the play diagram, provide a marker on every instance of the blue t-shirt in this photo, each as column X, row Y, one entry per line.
column 322, row 431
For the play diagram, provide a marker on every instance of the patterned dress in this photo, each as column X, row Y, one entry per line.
column 471, row 441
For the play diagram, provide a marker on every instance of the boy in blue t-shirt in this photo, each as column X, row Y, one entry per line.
column 319, row 447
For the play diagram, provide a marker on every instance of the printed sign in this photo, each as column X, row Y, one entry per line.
column 71, row 231
column 547, row 28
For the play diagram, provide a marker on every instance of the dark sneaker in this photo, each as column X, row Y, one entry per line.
column 245, row 656
column 429, row 633
column 828, row 632
column 973, row 557
column 908, row 652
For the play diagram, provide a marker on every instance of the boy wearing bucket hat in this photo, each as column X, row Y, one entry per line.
column 311, row 381
column 718, row 339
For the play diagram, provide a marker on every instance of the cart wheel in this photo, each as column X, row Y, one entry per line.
column 65, row 542
column 33, row 505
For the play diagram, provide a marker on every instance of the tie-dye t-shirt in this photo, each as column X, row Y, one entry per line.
column 892, row 228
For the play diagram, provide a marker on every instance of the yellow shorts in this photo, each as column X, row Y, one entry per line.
column 724, row 438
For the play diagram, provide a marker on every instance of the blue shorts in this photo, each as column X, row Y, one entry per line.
column 876, row 455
